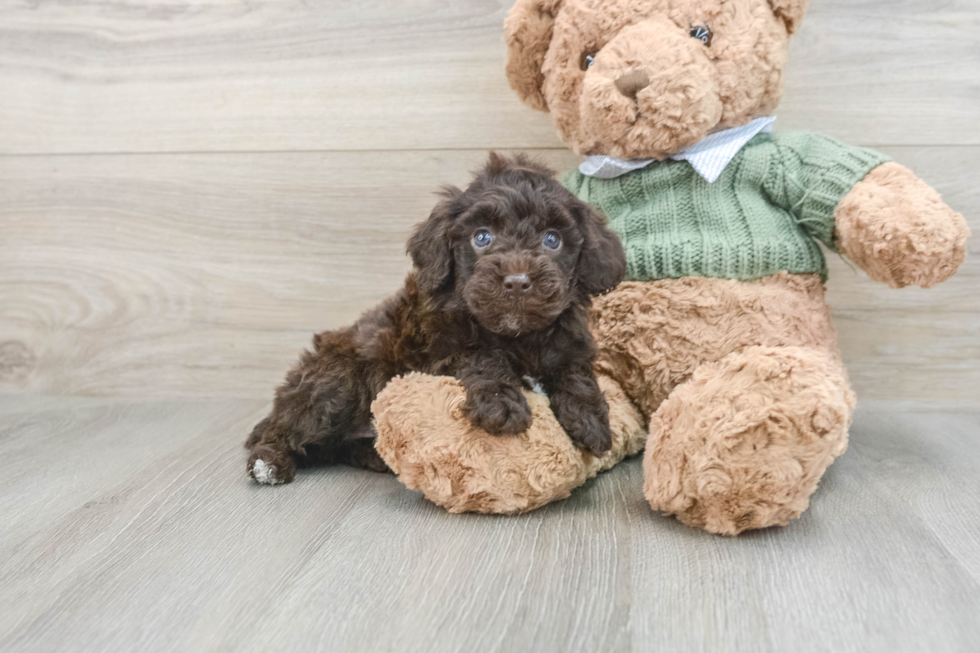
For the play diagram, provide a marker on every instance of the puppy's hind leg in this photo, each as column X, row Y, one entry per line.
column 323, row 399
column 271, row 461
column 359, row 451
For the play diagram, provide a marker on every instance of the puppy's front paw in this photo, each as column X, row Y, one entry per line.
column 588, row 429
column 498, row 409
column 596, row 437
column 270, row 467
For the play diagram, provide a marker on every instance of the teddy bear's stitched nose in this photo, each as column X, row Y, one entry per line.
column 632, row 82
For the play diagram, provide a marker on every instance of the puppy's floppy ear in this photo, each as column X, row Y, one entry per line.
column 791, row 12
column 528, row 31
column 602, row 262
column 431, row 246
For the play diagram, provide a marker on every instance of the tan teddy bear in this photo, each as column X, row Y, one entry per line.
column 721, row 337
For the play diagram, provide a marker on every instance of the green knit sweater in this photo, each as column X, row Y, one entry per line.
column 760, row 217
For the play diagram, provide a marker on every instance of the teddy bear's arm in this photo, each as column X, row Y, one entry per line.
column 898, row 229
column 876, row 212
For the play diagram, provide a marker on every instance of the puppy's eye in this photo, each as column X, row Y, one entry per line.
column 551, row 240
column 588, row 58
column 703, row 34
column 482, row 238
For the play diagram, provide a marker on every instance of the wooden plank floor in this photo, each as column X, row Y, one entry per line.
column 130, row 526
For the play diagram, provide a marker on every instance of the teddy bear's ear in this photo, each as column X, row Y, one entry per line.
column 528, row 31
column 790, row 12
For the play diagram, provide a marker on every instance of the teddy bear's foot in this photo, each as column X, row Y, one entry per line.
column 744, row 442
column 425, row 437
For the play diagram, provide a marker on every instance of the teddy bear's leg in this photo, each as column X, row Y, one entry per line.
column 426, row 438
column 744, row 442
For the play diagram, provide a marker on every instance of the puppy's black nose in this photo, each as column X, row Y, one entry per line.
column 517, row 283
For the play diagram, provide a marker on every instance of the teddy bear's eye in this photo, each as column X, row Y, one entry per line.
column 702, row 33
column 588, row 58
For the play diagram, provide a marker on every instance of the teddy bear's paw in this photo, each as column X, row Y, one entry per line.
column 269, row 467
column 899, row 230
column 743, row 444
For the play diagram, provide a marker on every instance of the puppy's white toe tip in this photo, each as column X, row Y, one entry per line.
column 265, row 473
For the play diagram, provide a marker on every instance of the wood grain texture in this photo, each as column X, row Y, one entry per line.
column 273, row 75
column 205, row 275
column 133, row 527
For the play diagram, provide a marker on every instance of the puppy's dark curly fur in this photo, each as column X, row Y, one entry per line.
column 502, row 279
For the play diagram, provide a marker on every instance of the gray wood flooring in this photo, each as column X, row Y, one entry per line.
column 130, row 526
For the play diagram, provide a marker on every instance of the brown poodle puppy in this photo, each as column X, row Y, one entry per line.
column 503, row 275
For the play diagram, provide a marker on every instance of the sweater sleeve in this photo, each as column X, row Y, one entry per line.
column 812, row 174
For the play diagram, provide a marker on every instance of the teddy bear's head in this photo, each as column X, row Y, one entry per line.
column 646, row 78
